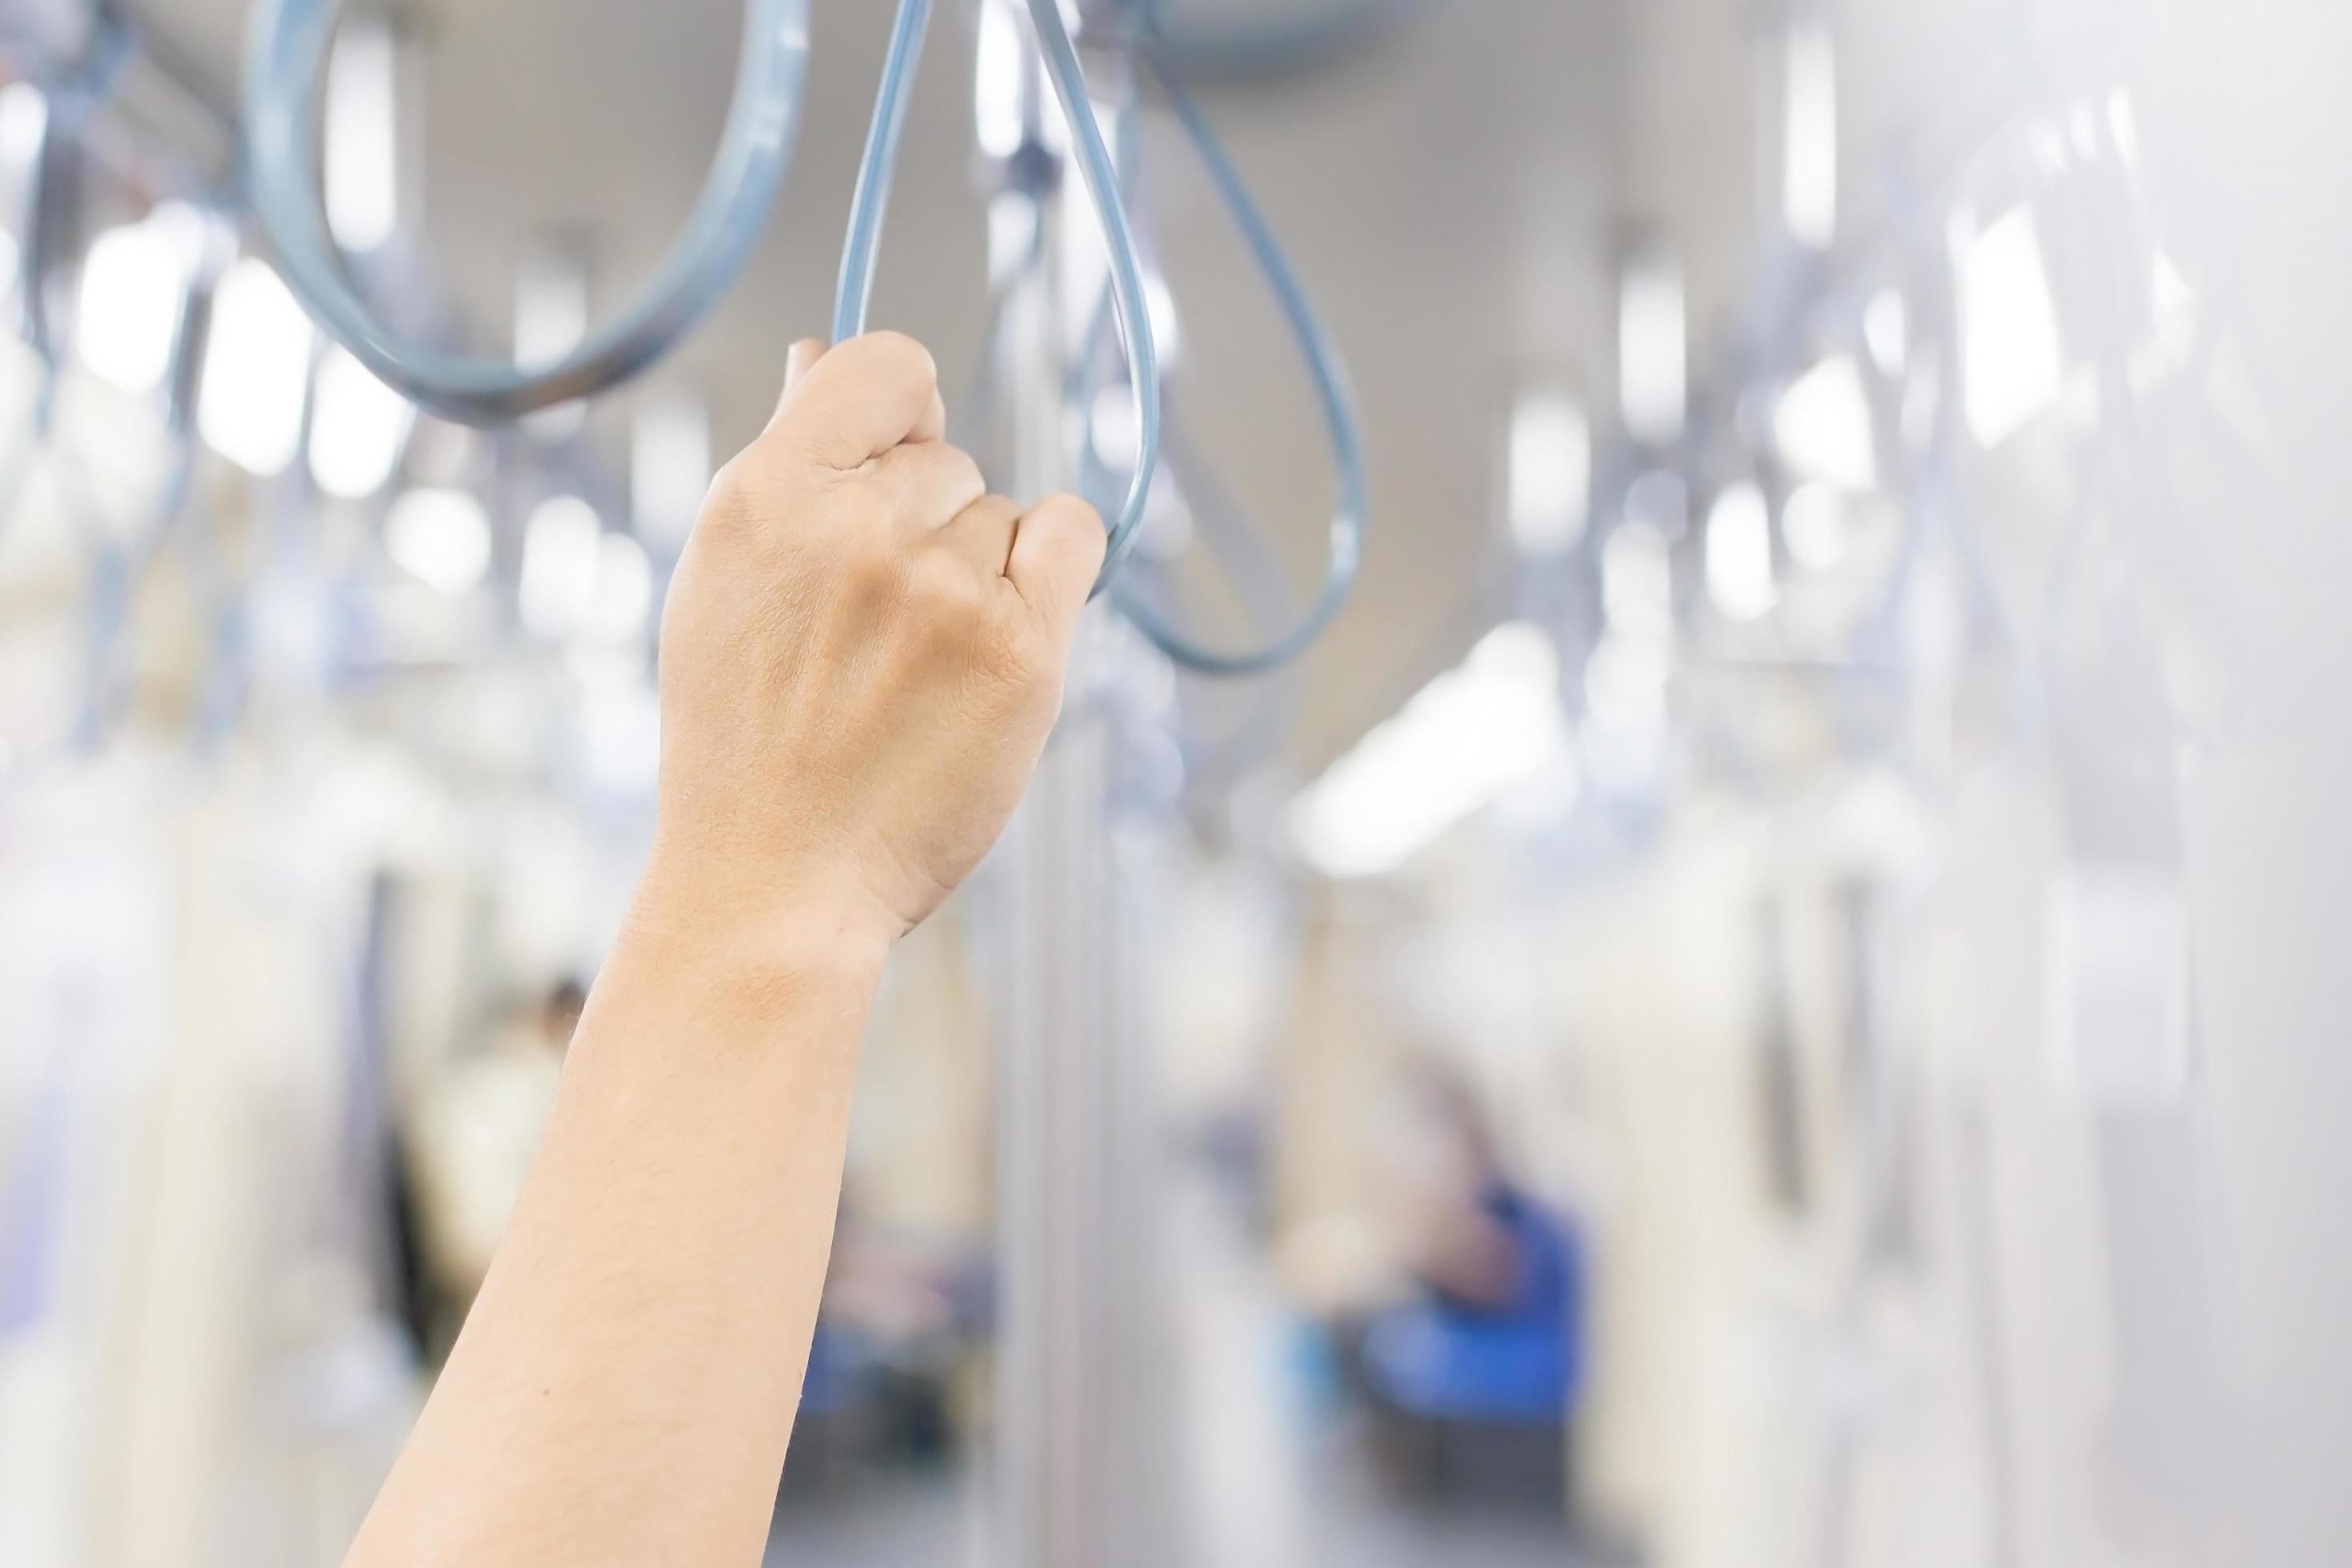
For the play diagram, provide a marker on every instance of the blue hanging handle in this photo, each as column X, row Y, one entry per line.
column 1096, row 169
column 1267, row 49
column 1341, row 418
column 870, row 203
column 286, row 55
column 74, row 95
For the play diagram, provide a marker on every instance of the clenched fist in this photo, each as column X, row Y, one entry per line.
column 862, row 656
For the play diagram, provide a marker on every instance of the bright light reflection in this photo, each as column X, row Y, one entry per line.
column 1653, row 366
column 24, row 122
column 1551, row 478
column 561, row 551
column 1813, row 522
column 623, row 594
column 357, row 428
column 441, row 537
column 2013, row 369
column 1465, row 739
column 363, row 136
column 1887, row 330
column 134, row 285
column 1822, row 425
column 669, row 465
column 1810, row 139
column 997, row 78
column 1740, row 576
column 256, row 371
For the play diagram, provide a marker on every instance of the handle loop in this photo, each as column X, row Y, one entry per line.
column 286, row 54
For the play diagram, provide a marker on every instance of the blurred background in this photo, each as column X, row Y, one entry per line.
column 1767, row 996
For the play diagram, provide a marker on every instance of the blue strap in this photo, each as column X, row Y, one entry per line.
column 286, row 55
column 1096, row 169
column 1341, row 418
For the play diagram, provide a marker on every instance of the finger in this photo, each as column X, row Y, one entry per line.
column 1056, row 553
column 862, row 398
column 983, row 534
column 930, row 482
column 797, row 361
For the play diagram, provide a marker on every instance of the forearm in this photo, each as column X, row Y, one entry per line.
column 862, row 656
column 632, row 1367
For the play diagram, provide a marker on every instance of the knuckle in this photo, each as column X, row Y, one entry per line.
column 739, row 494
column 735, row 485
column 1073, row 524
column 1081, row 510
column 804, row 441
column 936, row 475
column 965, row 470
column 948, row 592
column 903, row 361
column 862, row 498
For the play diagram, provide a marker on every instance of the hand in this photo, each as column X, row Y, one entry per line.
column 862, row 656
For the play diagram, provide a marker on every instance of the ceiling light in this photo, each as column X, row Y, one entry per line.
column 623, row 594
column 1652, row 365
column 358, row 426
column 442, row 537
column 669, row 465
column 561, row 547
column 256, row 371
column 1462, row 741
column 1822, row 425
column 2012, row 364
column 361, row 156
column 1886, row 331
column 134, row 290
column 1808, row 149
column 1551, row 472
column 1739, row 577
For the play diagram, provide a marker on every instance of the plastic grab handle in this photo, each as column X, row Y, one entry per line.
column 286, row 56
column 1338, row 405
column 1095, row 170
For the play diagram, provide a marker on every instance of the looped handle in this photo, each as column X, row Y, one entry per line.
column 869, row 205
column 89, row 80
column 74, row 94
column 1098, row 172
column 285, row 52
column 1338, row 405
column 71, row 96
column 1270, row 48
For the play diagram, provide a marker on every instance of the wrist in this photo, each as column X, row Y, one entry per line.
column 786, row 923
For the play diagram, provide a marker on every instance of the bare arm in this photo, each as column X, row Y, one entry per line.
column 862, row 656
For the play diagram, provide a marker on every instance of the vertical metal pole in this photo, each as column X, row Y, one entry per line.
column 1057, row 1028
column 1073, row 1471
column 1054, row 1194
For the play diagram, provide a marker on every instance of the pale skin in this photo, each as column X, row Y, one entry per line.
column 862, row 656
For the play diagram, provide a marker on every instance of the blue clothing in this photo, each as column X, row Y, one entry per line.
column 1517, row 1364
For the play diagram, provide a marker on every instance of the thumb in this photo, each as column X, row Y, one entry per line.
column 1057, row 553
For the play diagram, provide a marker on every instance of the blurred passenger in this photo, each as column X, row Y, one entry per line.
column 1488, row 1250
column 897, row 1328
column 1492, row 1339
column 480, row 1128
